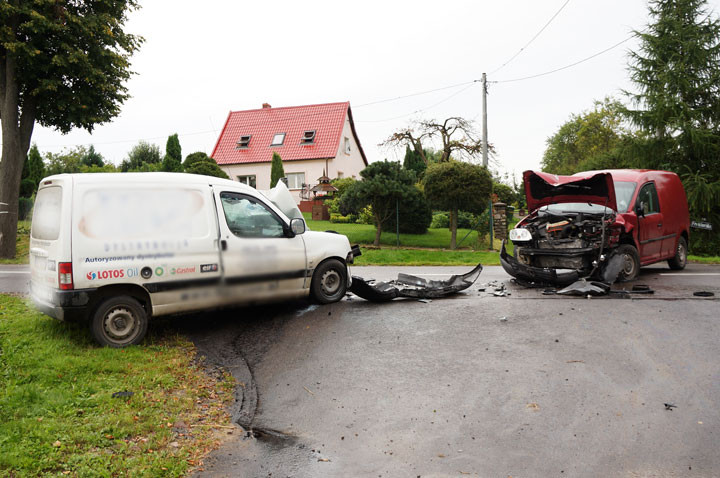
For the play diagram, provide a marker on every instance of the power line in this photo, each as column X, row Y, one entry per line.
column 472, row 83
column 531, row 40
column 414, row 94
column 566, row 66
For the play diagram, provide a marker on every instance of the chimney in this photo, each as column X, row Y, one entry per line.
column 266, row 105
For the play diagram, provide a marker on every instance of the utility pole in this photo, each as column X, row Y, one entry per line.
column 485, row 149
column 484, row 131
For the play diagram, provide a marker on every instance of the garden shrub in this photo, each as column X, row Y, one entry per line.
column 414, row 213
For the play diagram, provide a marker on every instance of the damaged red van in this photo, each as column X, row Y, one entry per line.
column 599, row 224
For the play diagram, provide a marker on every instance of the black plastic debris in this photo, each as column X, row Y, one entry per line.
column 123, row 394
column 585, row 288
column 669, row 406
column 407, row 285
column 703, row 293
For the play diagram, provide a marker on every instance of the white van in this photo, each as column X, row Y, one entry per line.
column 117, row 249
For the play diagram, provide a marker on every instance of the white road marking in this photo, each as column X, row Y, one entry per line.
column 14, row 272
column 690, row 274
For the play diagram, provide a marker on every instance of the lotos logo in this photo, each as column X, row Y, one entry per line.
column 106, row 274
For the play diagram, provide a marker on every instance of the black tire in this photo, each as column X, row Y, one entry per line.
column 631, row 262
column 329, row 282
column 678, row 262
column 119, row 322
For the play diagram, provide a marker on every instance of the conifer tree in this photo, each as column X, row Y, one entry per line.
column 276, row 169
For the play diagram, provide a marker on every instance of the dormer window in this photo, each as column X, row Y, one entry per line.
column 278, row 139
column 243, row 142
column 308, row 137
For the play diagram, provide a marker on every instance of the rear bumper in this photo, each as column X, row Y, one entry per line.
column 65, row 305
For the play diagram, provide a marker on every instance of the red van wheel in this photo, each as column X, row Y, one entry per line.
column 678, row 262
column 630, row 262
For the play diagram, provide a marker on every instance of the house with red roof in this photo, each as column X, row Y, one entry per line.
column 313, row 141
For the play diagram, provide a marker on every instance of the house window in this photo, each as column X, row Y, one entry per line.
column 347, row 145
column 278, row 139
column 308, row 137
column 249, row 180
column 243, row 142
column 295, row 180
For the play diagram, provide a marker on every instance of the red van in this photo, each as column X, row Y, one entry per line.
column 600, row 224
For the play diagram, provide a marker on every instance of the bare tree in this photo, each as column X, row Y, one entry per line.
column 458, row 137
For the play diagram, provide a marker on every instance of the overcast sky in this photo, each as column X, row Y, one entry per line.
column 201, row 60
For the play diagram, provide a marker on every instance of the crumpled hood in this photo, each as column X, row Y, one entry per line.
column 542, row 189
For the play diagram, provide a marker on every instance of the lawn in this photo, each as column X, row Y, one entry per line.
column 23, row 245
column 433, row 239
column 57, row 411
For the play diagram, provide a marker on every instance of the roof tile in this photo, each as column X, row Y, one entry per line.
column 262, row 124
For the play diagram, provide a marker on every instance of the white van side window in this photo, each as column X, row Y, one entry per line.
column 46, row 216
column 247, row 217
column 126, row 214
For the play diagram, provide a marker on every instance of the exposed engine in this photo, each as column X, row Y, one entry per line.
column 569, row 240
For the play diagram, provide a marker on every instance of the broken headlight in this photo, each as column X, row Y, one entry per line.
column 520, row 234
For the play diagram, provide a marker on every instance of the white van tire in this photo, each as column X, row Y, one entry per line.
column 329, row 282
column 119, row 322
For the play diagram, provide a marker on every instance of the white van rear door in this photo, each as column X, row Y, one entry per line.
column 50, row 237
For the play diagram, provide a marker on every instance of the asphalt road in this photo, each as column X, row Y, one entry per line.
column 526, row 385
column 14, row 279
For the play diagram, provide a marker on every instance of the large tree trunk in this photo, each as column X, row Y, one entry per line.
column 453, row 228
column 16, row 133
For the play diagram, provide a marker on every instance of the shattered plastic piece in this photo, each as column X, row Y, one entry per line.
column 411, row 286
column 123, row 394
column 703, row 293
column 503, row 319
column 585, row 288
column 425, row 301
column 669, row 406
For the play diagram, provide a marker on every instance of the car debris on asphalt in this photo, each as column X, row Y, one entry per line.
column 407, row 285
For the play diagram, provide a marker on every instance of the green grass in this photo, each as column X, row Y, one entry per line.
column 427, row 257
column 433, row 239
column 58, row 417
column 704, row 259
column 22, row 245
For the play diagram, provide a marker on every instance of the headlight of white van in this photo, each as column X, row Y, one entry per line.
column 520, row 234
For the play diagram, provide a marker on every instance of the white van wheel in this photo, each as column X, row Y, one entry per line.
column 329, row 282
column 119, row 322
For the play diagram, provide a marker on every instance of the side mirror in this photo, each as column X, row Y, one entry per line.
column 297, row 226
column 640, row 209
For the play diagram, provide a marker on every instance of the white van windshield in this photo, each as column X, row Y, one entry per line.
column 46, row 215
